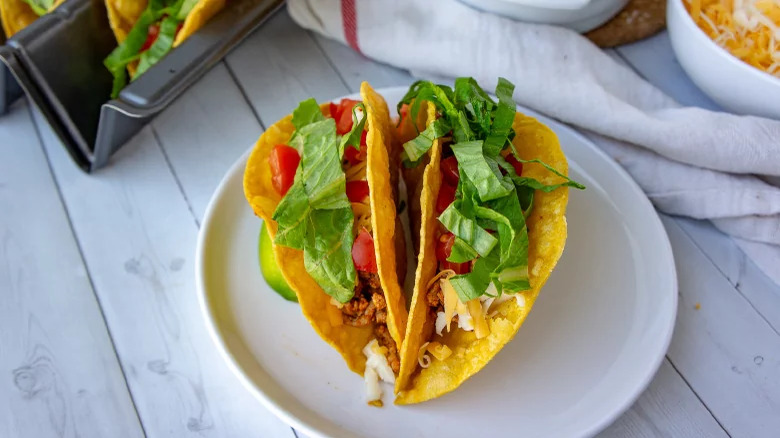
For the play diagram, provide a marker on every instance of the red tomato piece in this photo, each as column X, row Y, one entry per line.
column 151, row 37
column 363, row 138
column 363, row 255
column 284, row 162
column 449, row 170
column 334, row 110
column 516, row 164
column 443, row 251
column 344, row 122
column 444, row 246
column 357, row 191
column 445, row 198
column 344, row 119
column 459, row 268
column 353, row 155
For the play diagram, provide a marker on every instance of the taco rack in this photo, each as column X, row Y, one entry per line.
column 58, row 62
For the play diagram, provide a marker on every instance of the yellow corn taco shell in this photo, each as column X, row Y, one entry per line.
column 16, row 15
column 122, row 15
column 547, row 236
column 315, row 304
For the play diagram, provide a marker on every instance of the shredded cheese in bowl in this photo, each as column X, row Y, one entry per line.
column 748, row 29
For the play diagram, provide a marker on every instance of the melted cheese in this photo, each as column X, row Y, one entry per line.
column 748, row 29
column 437, row 350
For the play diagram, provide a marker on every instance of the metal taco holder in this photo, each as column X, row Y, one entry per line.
column 58, row 62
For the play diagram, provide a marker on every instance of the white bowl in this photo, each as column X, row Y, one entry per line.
column 579, row 15
column 733, row 84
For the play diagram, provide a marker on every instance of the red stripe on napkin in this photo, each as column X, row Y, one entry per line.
column 349, row 18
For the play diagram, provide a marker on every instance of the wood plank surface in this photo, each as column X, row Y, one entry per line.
column 59, row 375
column 138, row 236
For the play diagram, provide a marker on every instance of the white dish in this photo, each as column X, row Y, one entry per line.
column 592, row 343
column 578, row 15
column 733, row 84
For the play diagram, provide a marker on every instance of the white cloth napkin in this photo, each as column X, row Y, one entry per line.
column 690, row 161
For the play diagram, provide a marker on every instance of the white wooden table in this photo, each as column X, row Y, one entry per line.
column 100, row 331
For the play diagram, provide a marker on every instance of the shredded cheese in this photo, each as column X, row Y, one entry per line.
column 481, row 328
column 748, row 29
column 437, row 350
column 377, row 369
column 422, row 357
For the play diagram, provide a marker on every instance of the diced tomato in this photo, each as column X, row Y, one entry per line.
column 363, row 138
column 459, row 268
column 334, row 110
column 443, row 251
column 516, row 164
column 344, row 122
column 449, row 170
column 284, row 162
column 357, row 191
column 151, row 37
column 355, row 156
column 446, row 196
column 363, row 255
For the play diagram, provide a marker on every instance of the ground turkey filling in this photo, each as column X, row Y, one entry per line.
column 368, row 306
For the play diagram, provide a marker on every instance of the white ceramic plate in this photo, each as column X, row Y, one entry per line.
column 592, row 343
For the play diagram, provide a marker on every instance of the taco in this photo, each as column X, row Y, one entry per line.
column 15, row 15
column 147, row 31
column 492, row 198
column 323, row 180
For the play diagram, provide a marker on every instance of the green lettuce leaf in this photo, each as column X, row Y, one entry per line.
column 523, row 181
column 327, row 253
column 473, row 285
column 161, row 46
column 352, row 138
column 502, row 120
column 486, row 178
column 512, row 272
column 416, row 148
column 323, row 178
column 291, row 215
column 478, row 239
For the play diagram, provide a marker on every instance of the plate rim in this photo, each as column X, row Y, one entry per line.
column 291, row 420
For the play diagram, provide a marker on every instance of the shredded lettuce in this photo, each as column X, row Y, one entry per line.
column 315, row 215
column 491, row 202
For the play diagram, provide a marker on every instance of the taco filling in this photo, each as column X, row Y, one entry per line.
column 478, row 254
column 146, row 35
column 326, row 211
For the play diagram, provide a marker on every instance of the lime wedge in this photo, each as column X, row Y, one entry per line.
column 271, row 273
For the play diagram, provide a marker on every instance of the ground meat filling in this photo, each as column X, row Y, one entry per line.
column 435, row 300
column 368, row 306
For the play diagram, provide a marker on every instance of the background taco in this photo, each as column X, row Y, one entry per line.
column 147, row 30
column 492, row 199
column 322, row 179
column 18, row 14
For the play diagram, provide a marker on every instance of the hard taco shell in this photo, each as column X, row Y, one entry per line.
column 315, row 303
column 547, row 236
